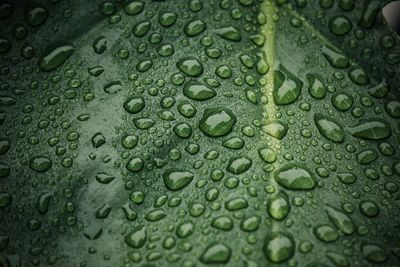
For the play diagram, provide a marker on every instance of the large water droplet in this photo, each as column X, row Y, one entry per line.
column 190, row 66
column 374, row 253
column 278, row 247
column 5, row 199
column 239, row 165
column 134, row 104
column 135, row 164
column 329, row 128
column 134, row 8
column 216, row 253
column 294, row 177
column 371, row 129
column 277, row 129
column 55, row 56
column 222, row 223
column 35, row 14
column 217, row 122
column 185, row 229
column 197, row 91
column 194, row 27
column 40, row 163
column 340, row 220
column 335, row 58
column 342, row 101
column 287, row 87
column 137, row 237
column 175, row 179
column 316, row 86
column 340, row 25
column 229, row 33
column 278, row 206
column 326, row 233
column 167, row 19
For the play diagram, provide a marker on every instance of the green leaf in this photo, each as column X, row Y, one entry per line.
column 196, row 133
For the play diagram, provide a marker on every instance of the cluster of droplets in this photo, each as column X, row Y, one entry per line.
column 164, row 122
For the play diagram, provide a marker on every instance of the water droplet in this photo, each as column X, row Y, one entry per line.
column 155, row 215
column 393, row 109
column 197, row 91
column 137, row 237
column 342, row 101
column 380, row 90
column 134, row 8
column 369, row 209
column 167, row 19
column 278, row 247
column 251, row 223
column 130, row 141
column 239, row 165
column 316, row 86
column 5, row 144
column 294, row 177
column 216, row 253
column 100, row 44
column 337, row 259
column 185, row 229
column 287, row 87
column 347, row 177
column 340, row 220
column 5, row 199
column 7, row 101
column 251, row 96
column 4, row 170
column 190, row 66
column 340, row 25
column 223, row 71
column 98, row 140
column 186, row 109
column 373, row 253
column 196, row 209
column 135, row 164
column 166, row 50
column 194, row 27
column 40, row 163
column 134, row 104
column 329, row 128
column 103, row 211
column 217, row 122
column 335, row 58
column 183, row 130
column 144, row 65
column 326, row 233
column 371, row 11
column 140, row 29
column 35, row 14
column 229, row 33
column 267, row 155
column 276, row 129
column 236, row 204
column 222, row 223
column 278, row 206
column 371, row 129
column 359, row 76
column 175, row 179
column 367, row 156
column 96, row 70
column 55, row 56
column 104, row 178
column 143, row 123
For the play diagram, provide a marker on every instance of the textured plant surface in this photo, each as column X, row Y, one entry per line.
column 199, row 132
